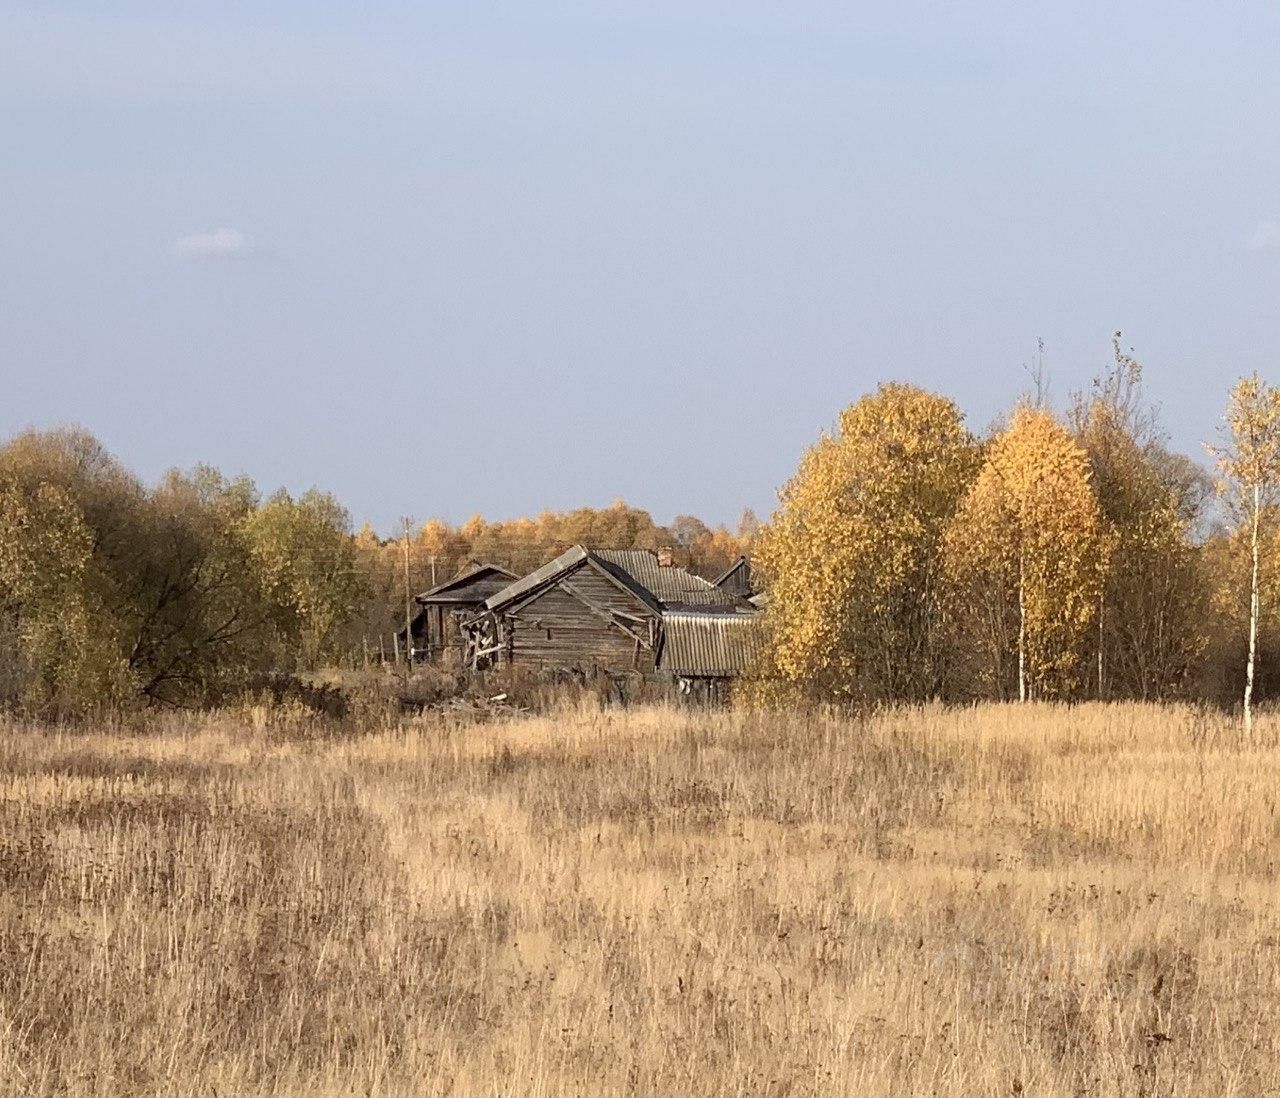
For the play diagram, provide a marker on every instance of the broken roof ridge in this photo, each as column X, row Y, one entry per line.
column 549, row 571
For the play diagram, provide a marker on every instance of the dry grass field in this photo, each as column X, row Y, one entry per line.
column 993, row 900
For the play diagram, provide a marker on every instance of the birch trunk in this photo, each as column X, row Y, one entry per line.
column 1253, row 613
column 1022, row 628
column 1102, row 610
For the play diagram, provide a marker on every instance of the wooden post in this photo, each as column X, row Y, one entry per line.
column 395, row 640
column 364, row 644
column 408, row 602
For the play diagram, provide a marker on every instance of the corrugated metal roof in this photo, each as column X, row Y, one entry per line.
column 670, row 584
column 710, row 645
column 473, row 584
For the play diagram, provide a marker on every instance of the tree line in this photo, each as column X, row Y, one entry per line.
column 114, row 593
column 1066, row 555
column 1063, row 555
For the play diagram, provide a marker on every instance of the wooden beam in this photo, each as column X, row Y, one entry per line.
column 609, row 617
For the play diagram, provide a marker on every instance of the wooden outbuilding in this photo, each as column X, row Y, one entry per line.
column 437, row 627
column 703, row 652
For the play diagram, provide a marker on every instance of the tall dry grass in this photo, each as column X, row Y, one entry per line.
column 993, row 900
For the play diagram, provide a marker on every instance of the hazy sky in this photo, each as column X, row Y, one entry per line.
column 495, row 257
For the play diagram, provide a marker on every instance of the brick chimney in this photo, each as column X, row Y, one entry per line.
column 666, row 557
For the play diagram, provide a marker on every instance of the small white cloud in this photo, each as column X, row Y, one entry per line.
column 1265, row 236
column 217, row 244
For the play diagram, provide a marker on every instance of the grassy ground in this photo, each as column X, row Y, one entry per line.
column 994, row 900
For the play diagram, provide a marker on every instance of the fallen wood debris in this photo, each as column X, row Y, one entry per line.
column 497, row 706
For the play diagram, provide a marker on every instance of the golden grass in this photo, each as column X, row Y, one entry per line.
column 991, row 900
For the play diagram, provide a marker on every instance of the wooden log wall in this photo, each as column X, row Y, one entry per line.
column 560, row 629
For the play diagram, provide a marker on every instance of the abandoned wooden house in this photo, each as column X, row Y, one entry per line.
column 615, row 610
column 437, row 633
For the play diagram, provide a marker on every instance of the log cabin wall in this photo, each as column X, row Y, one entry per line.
column 567, row 626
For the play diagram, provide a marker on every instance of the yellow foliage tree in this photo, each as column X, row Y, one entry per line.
column 1152, row 615
column 1025, row 561
column 851, row 558
column 1250, row 467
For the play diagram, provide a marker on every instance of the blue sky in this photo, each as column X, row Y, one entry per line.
column 494, row 257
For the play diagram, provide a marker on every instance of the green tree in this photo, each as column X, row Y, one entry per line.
column 307, row 563
column 199, row 621
column 166, row 604
column 48, row 662
column 71, row 514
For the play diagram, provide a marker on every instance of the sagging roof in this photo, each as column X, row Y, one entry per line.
column 535, row 579
column 475, row 583
column 670, row 584
column 637, row 570
column 710, row 645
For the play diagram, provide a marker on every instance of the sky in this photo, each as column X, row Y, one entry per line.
column 443, row 259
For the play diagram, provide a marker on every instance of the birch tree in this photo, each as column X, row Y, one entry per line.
column 1024, row 557
column 1153, row 606
column 1249, row 464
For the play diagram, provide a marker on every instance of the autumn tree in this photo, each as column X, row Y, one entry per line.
column 48, row 661
column 1024, row 562
column 523, row 544
column 200, row 618
column 306, row 559
column 704, row 550
column 1153, row 603
column 852, row 557
column 71, row 548
column 1249, row 464
column 152, row 595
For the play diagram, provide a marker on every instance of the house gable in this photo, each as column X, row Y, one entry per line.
column 472, row 585
column 582, row 621
column 736, row 579
column 609, row 609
